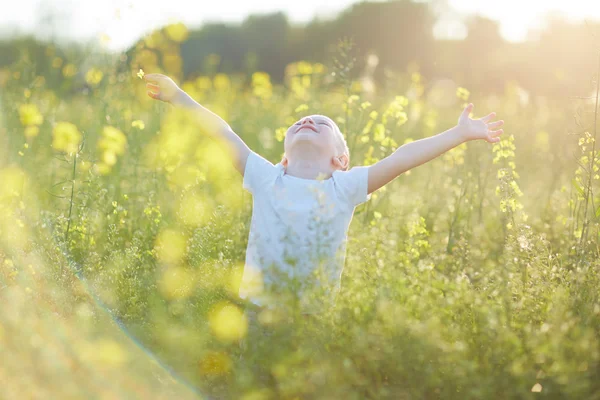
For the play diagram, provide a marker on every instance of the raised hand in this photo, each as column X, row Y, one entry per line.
column 481, row 128
column 161, row 87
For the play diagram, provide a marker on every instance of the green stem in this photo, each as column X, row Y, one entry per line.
column 589, row 192
column 71, row 201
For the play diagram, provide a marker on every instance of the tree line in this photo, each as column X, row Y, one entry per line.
column 560, row 61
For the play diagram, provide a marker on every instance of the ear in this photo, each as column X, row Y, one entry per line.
column 284, row 161
column 341, row 162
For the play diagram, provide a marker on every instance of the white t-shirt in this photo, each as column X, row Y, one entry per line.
column 298, row 226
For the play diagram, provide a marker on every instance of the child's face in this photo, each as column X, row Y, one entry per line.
column 319, row 130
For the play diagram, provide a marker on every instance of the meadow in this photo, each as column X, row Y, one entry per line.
column 124, row 225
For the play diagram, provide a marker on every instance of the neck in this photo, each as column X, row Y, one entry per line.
column 309, row 165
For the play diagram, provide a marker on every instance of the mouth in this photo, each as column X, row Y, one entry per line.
column 306, row 127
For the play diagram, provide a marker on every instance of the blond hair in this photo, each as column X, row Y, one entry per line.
column 342, row 144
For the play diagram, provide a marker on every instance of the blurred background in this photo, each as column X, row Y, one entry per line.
column 543, row 46
column 123, row 225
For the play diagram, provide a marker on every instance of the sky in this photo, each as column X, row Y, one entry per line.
column 124, row 21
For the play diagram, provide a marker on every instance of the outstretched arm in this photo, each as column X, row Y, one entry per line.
column 161, row 87
column 415, row 153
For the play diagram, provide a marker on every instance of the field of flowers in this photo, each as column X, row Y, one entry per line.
column 123, row 229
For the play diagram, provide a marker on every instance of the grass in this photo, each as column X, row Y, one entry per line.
column 473, row 276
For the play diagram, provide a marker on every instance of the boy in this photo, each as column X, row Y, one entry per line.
column 302, row 206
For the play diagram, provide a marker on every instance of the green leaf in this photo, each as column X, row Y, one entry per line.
column 598, row 212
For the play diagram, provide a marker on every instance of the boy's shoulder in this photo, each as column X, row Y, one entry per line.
column 353, row 184
column 258, row 172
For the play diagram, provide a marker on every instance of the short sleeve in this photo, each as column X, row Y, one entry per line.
column 258, row 172
column 353, row 185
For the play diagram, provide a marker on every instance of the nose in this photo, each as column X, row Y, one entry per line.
column 307, row 120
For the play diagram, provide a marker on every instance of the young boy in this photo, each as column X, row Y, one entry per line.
column 303, row 205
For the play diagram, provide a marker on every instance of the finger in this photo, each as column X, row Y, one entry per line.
column 496, row 133
column 467, row 110
column 151, row 78
column 496, row 124
column 492, row 139
column 154, row 95
column 152, row 86
column 488, row 117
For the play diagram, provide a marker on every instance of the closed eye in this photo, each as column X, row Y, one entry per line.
column 320, row 123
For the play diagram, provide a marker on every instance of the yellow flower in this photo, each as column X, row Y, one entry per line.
column 216, row 363
column 140, row 74
column 31, row 131
column 94, row 76
column 156, row 40
column 109, row 158
column 138, row 124
column 66, row 137
column 57, row 62
column 69, row 70
column 221, row 82
column 462, row 93
column 112, row 140
column 228, row 322
column 29, row 115
column 304, row 68
column 177, row 32
column 146, row 58
column 172, row 62
column 318, row 68
column 261, row 85
column 280, row 134
column 177, row 283
column 170, row 246
column 379, row 133
column 301, row 107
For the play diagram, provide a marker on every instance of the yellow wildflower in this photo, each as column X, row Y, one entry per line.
column 112, row 140
column 138, row 124
column 228, row 322
column 304, row 68
column 93, row 76
column 69, row 70
column 66, row 137
column 177, row 32
column 301, row 107
column 462, row 93
column 177, row 283
column 29, row 115
column 221, row 82
column 57, row 62
column 216, row 363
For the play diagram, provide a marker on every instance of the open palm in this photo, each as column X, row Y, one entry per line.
column 480, row 128
column 161, row 87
